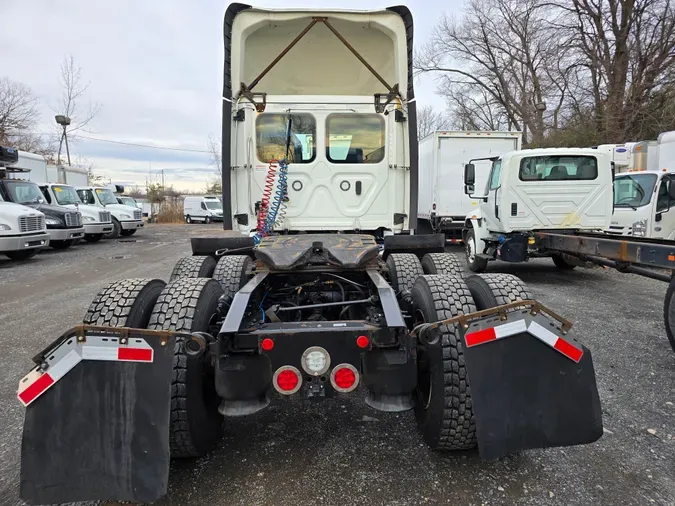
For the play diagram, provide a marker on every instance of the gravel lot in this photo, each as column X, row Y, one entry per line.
column 342, row 452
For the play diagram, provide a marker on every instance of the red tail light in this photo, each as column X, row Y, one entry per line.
column 362, row 341
column 287, row 380
column 344, row 378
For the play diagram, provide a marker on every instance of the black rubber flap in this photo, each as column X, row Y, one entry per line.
column 416, row 244
column 527, row 395
column 209, row 245
column 101, row 433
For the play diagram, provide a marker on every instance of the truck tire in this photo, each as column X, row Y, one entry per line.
column 188, row 305
column 23, row 254
column 443, row 409
column 492, row 290
column 232, row 272
column 128, row 233
column 404, row 269
column 61, row 244
column 93, row 237
column 125, row 303
column 198, row 266
column 669, row 312
column 188, row 219
column 117, row 228
column 561, row 262
column 475, row 263
column 441, row 263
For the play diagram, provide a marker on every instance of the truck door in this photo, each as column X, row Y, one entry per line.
column 490, row 209
column 663, row 224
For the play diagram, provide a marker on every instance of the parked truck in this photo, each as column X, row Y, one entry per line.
column 442, row 204
column 155, row 367
column 563, row 189
column 22, row 229
column 125, row 219
column 97, row 223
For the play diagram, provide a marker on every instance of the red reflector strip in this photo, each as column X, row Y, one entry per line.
column 135, row 354
column 555, row 342
column 37, row 388
column 480, row 337
column 568, row 350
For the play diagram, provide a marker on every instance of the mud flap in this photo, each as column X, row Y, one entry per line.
column 527, row 387
column 101, row 431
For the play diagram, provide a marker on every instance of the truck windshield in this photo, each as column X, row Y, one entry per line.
column 214, row 204
column 24, row 192
column 127, row 201
column 271, row 137
column 558, row 168
column 634, row 190
column 66, row 195
column 106, row 196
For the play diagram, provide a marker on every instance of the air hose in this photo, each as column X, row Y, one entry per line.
column 272, row 205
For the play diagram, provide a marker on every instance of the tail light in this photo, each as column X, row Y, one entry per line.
column 287, row 380
column 344, row 378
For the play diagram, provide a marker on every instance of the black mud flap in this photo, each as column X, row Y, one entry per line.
column 101, row 430
column 530, row 387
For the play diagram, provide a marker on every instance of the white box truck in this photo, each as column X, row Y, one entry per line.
column 442, row 204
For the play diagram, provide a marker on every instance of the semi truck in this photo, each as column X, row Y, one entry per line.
column 126, row 220
column 563, row 189
column 22, row 229
column 249, row 320
column 97, row 223
column 442, row 204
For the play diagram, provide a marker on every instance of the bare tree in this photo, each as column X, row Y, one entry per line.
column 628, row 50
column 430, row 120
column 214, row 147
column 513, row 61
column 18, row 110
column 73, row 92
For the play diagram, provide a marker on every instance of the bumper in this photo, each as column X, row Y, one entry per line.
column 131, row 225
column 65, row 234
column 27, row 241
column 97, row 228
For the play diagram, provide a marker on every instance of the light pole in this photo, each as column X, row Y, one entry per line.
column 64, row 121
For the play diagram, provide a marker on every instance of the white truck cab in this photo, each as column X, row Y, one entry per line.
column 557, row 189
column 644, row 204
column 125, row 219
column 22, row 231
column 204, row 209
column 96, row 222
column 317, row 131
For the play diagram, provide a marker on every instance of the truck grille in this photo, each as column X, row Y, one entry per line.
column 104, row 216
column 73, row 220
column 138, row 215
column 31, row 223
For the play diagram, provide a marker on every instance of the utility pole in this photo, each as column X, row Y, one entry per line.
column 163, row 186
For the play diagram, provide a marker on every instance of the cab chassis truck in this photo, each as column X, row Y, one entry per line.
column 156, row 369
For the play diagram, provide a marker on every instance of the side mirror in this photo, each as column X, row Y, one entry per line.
column 469, row 174
column 469, row 189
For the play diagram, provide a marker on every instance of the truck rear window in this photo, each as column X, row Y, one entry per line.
column 272, row 135
column 355, row 138
column 558, row 168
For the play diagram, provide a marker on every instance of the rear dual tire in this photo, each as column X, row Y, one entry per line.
column 444, row 408
column 198, row 266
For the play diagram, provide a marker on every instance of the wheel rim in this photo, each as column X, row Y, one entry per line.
column 471, row 248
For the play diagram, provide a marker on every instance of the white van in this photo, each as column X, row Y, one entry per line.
column 205, row 209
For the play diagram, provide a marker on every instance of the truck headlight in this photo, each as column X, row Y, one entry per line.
column 5, row 227
column 640, row 228
column 88, row 218
column 125, row 216
column 52, row 221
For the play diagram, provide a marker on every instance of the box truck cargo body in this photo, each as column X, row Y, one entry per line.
column 443, row 206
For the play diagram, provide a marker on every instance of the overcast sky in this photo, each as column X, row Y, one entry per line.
column 155, row 67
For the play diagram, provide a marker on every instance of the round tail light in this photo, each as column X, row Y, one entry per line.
column 287, row 380
column 344, row 378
